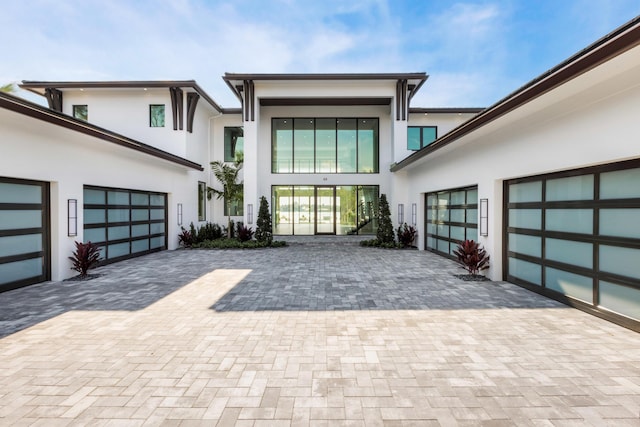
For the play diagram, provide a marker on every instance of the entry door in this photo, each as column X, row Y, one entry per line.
column 325, row 210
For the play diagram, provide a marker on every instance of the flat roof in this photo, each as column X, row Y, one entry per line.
column 613, row 44
column 27, row 108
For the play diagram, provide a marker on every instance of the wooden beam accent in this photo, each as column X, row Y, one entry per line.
column 192, row 101
column 177, row 107
column 54, row 98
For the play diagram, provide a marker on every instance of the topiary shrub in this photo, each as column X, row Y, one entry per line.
column 385, row 234
column 85, row 257
column 264, row 231
column 472, row 257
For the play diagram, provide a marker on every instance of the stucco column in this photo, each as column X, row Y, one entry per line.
column 250, row 169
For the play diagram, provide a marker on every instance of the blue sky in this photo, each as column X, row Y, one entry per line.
column 475, row 52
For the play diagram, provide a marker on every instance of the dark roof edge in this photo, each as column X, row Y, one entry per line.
column 36, row 111
column 444, row 110
column 317, row 76
column 31, row 85
column 613, row 44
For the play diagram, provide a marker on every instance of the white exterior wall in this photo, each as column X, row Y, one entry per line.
column 126, row 111
column 36, row 150
column 591, row 120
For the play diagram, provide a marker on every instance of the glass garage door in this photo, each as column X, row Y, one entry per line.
column 125, row 223
column 24, row 233
column 575, row 236
column 452, row 217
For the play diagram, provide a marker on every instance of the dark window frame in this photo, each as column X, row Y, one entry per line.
column 202, row 201
column 231, row 157
column 595, row 239
column 164, row 115
column 422, row 143
column 76, row 115
column 315, row 165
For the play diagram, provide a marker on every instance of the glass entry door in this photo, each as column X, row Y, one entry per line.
column 325, row 210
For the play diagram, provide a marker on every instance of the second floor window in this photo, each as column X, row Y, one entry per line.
column 81, row 112
column 156, row 116
column 419, row 137
column 233, row 143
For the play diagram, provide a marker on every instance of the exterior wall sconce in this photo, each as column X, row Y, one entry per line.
column 179, row 213
column 484, row 217
column 72, row 217
column 249, row 213
column 414, row 214
column 400, row 213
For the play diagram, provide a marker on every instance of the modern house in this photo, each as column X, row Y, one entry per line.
column 547, row 179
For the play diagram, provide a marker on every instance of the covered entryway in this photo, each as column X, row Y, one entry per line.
column 24, row 233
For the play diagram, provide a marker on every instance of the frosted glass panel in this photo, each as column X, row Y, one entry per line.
column 570, row 220
column 119, row 249
column 20, row 193
column 458, row 198
column 94, row 216
column 94, row 197
column 526, row 245
column 624, row 261
column 19, row 270
column 570, row 188
column 14, row 245
column 525, row 270
column 431, row 242
column 139, row 245
column 472, row 216
column 118, row 215
column 139, row 199
column 620, row 184
column 525, row 192
column 443, row 199
column 620, row 222
column 569, row 252
column 157, row 213
column 432, row 200
column 13, row 220
column 457, row 233
column 157, row 242
column 472, row 234
column 140, row 215
column 620, row 299
column 472, row 197
column 157, row 200
column 431, row 228
column 117, row 233
column 432, row 214
column 139, row 230
column 94, row 235
column 443, row 230
column 157, row 228
column 457, row 215
column 443, row 214
column 525, row 218
column 118, row 198
column 570, row 284
column 443, row 246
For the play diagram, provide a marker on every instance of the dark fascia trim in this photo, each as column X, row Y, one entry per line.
column 345, row 76
column 613, row 44
column 323, row 101
column 34, row 85
column 445, row 110
column 36, row 111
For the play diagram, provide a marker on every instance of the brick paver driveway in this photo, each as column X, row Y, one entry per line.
column 312, row 334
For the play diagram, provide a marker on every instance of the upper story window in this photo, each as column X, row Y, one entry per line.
column 420, row 136
column 156, row 115
column 324, row 145
column 233, row 143
column 81, row 112
column 202, row 201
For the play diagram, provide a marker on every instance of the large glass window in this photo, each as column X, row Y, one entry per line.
column 156, row 116
column 452, row 217
column 233, row 143
column 326, row 145
column 420, row 136
column 235, row 207
column 202, row 201
column 578, row 237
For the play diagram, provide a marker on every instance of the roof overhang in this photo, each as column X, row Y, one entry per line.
column 613, row 44
column 39, row 87
column 38, row 112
